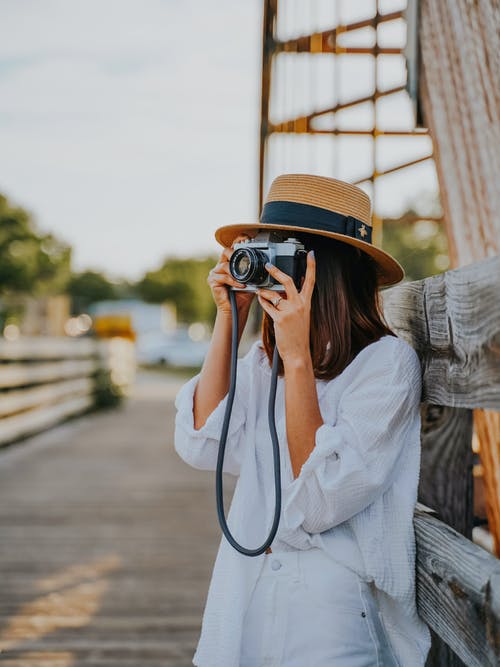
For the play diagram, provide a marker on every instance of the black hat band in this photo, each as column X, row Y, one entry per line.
column 315, row 218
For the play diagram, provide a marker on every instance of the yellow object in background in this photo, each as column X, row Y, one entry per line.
column 114, row 324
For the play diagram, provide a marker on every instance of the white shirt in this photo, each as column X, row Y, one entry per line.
column 354, row 497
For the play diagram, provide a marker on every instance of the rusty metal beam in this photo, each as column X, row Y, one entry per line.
column 305, row 121
column 326, row 41
column 268, row 25
column 298, row 127
column 377, row 173
column 336, row 49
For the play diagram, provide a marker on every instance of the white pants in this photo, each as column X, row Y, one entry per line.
column 307, row 610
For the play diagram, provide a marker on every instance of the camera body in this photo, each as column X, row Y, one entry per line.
column 249, row 257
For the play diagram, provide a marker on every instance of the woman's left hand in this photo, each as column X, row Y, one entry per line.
column 291, row 316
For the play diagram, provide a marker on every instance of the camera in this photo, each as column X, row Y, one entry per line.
column 249, row 257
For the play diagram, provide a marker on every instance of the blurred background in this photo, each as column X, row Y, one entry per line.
column 129, row 132
column 125, row 144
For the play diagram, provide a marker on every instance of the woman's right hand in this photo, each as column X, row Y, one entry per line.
column 220, row 277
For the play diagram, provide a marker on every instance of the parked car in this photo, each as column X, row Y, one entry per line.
column 177, row 349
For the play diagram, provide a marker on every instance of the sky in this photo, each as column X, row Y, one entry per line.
column 129, row 128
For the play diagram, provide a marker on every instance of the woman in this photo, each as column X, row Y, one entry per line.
column 337, row 586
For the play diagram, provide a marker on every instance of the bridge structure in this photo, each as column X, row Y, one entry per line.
column 334, row 86
column 107, row 539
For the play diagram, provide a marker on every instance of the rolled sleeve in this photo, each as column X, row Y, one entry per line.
column 355, row 459
column 200, row 447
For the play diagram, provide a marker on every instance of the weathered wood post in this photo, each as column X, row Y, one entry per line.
column 460, row 93
column 453, row 321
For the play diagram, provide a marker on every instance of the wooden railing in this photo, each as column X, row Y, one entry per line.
column 453, row 322
column 45, row 380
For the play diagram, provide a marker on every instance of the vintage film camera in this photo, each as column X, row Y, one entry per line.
column 249, row 257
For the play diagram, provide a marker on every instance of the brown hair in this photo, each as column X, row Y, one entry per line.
column 345, row 307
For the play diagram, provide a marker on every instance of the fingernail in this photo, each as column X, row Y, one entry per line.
column 311, row 253
column 268, row 265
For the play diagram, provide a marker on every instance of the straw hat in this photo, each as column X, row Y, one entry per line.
column 319, row 205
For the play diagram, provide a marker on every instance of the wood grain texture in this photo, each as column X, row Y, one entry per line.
column 452, row 320
column 458, row 591
column 446, row 484
column 460, row 94
column 460, row 90
column 107, row 540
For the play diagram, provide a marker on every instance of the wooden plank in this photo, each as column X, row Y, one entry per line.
column 46, row 347
column 18, row 400
column 460, row 360
column 447, row 459
column 460, row 94
column 26, row 423
column 446, row 484
column 452, row 320
column 108, row 540
column 19, row 374
column 458, row 591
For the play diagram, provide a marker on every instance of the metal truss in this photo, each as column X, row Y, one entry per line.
column 330, row 42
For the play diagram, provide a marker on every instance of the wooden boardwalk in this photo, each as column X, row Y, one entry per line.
column 107, row 540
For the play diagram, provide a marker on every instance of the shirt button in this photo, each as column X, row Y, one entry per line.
column 275, row 565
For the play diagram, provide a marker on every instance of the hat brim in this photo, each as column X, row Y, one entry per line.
column 390, row 271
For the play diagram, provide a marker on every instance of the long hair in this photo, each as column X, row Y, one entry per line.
column 346, row 313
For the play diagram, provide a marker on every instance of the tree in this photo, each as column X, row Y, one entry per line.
column 418, row 242
column 183, row 282
column 30, row 262
column 89, row 286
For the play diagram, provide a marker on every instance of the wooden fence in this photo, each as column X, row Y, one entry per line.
column 44, row 380
column 452, row 320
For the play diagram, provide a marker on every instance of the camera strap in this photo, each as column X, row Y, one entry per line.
column 223, row 438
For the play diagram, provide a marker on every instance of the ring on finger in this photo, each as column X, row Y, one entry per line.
column 277, row 300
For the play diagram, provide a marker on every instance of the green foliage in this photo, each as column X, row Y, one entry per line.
column 30, row 262
column 183, row 282
column 89, row 286
column 421, row 247
column 107, row 394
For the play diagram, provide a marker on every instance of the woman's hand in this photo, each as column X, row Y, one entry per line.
column 291, row 316
column 219, row 278
column 213, row 383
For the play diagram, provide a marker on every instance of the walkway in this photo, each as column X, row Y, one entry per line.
column 107, row 540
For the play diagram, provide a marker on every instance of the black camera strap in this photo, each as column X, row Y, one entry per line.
column 223, row 438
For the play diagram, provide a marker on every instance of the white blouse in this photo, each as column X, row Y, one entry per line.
column 354, row 497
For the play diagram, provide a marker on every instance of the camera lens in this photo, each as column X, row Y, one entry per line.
column 242, row 265
column 247, row 265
